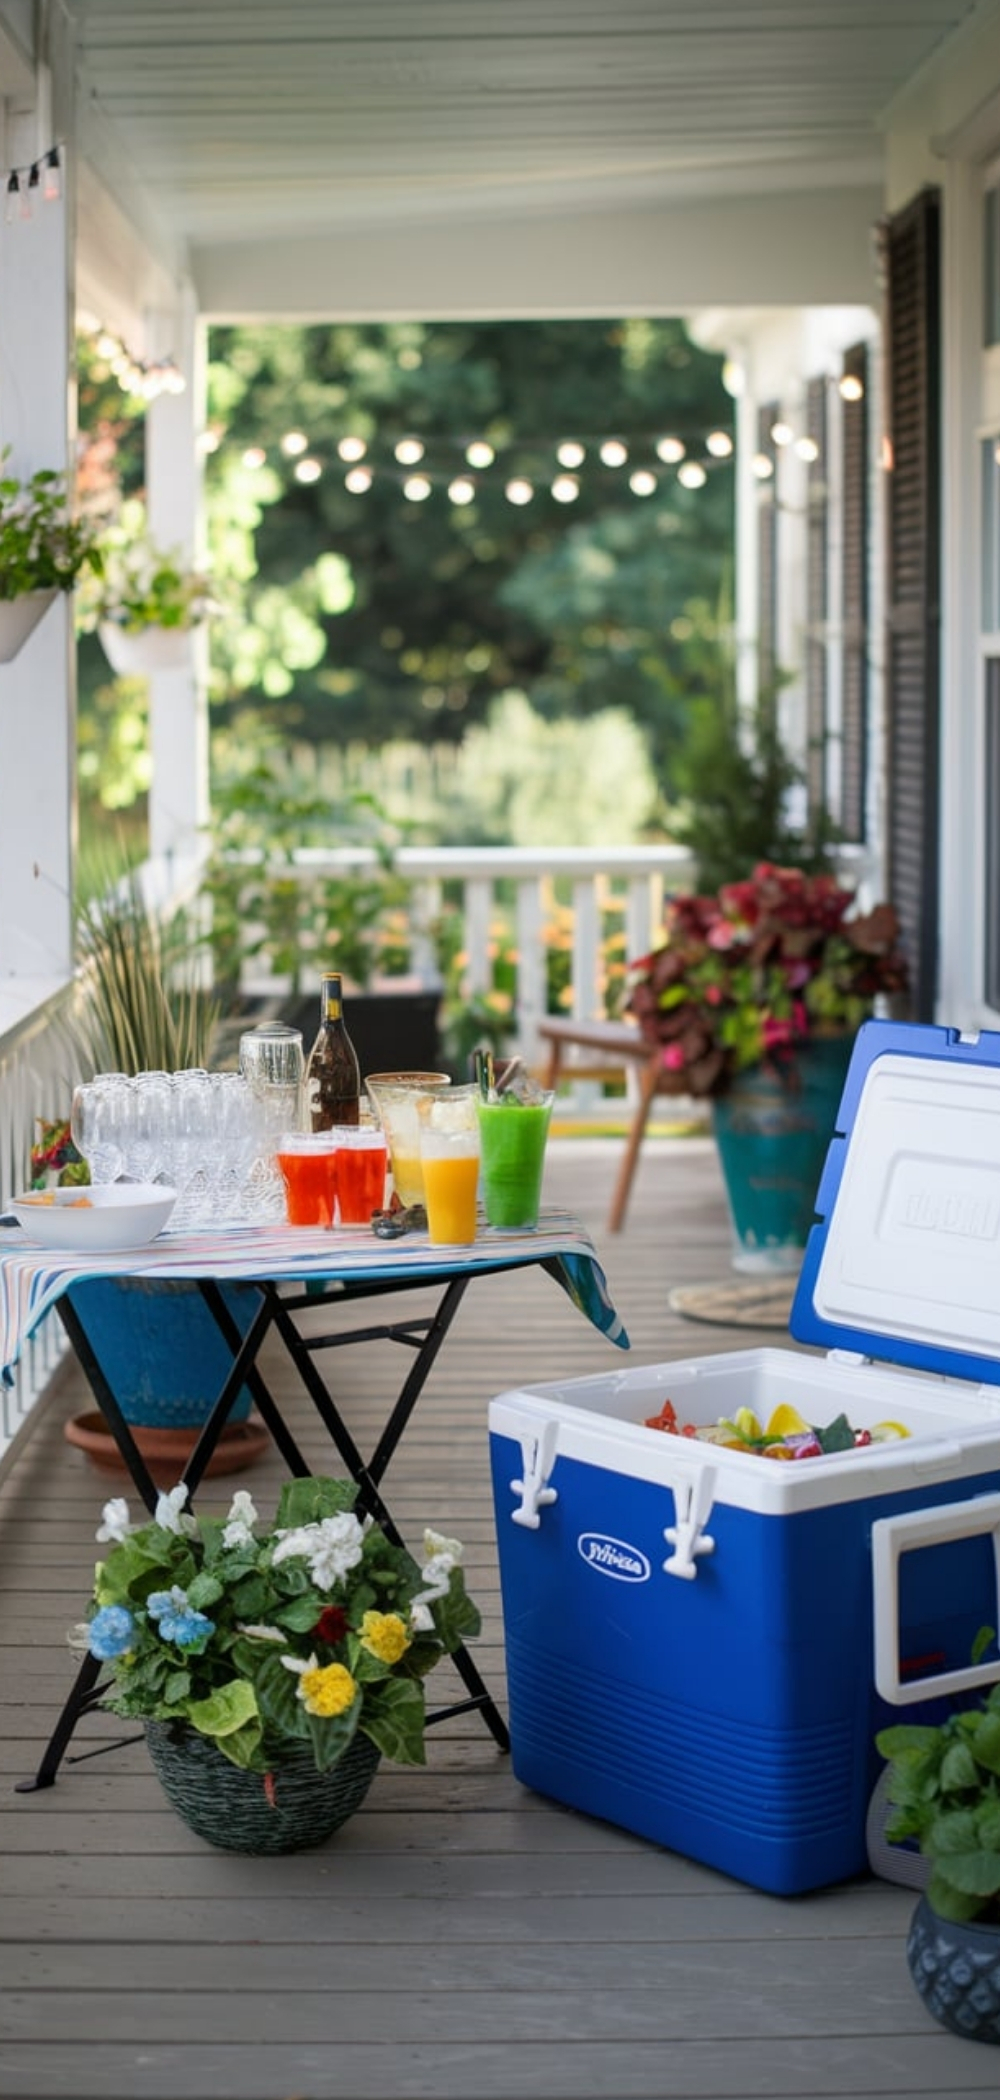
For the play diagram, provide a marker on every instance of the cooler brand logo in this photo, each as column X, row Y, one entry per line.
column 613, row 1557
column 967, row 1217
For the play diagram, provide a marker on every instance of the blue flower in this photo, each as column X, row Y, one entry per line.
column 176, row 1621
column 111, row 1632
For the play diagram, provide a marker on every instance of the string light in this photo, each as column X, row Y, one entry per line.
column 850, row 387
column 37, row 180
column 670, row 450
column 613, row 452
column 519, row 490
column 781, row 433
column 565, row 488
column 352, row 448
column 761, row 466
column 307, row 470
column 409, row 452
column 416, row 487
column 719, row 444
column 294, row 443
column 479, row 453
column 571, row 454
column 807, row 449
column 642, row 482
column 254, row 457
column 358, row 481
column 462, row 490
column 162, row 376
column 691, row 475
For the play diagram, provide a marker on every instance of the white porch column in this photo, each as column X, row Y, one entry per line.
column 178, row 703
column 38, row 689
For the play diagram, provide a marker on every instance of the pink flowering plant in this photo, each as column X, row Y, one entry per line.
column 763, row 965
column 263, row 1638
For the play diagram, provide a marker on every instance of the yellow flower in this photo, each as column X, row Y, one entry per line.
column 327, row 1691
column 384, row 1635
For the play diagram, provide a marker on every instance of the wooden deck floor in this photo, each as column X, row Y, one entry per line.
column 462, row 1936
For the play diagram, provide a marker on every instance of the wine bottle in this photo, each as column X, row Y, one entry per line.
column 333, row 1078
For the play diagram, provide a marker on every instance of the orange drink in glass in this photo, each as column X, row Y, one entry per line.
column 307, row 1162
column 449, row 1159
column 361, row 1157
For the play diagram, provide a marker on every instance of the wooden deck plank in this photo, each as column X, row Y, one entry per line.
column 462, row 1936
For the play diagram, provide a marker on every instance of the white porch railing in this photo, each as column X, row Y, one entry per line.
column 34, row 1067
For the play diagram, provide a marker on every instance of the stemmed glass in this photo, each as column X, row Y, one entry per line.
column 98, row 1114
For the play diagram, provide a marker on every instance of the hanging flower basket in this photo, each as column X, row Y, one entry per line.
column 18, row 619
column 148, row 649
column 285, row 1810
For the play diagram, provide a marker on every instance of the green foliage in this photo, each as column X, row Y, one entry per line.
column 43, row 546
column 142, row 585
column 355, row 919
column 141, row 1004
column 944, row 1784
column 261, row 1637
column 736, row 785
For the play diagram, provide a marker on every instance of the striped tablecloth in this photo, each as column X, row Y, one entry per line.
column 33, row 1278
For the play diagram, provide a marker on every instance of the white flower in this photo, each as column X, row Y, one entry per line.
column 115, row 1523
column 263, row 1633
column 332, row 1547
column 421, row 1620
column 240, row 1521
column 442, row 1556
column 294, row 1662
column 169, row 1511
column 78, row 1638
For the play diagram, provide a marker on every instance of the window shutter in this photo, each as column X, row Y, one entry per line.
column 817, row 606
column 854, row 600
column 911, row 253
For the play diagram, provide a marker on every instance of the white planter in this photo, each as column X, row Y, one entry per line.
column 151, row 649
column 18, row 619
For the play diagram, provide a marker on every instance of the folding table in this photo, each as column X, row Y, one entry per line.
column 295, row 1270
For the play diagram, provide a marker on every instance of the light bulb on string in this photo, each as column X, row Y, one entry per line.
column 254, row 457
column 691, row 475
column 807, row 449
column 670, row 450
column 761, row 466
column 409, row 451
column 850, row 387
column 519, row 490
column 642, row 482
column 734, row 378
column 416, row 488
column 479, row 453
column 570, row 453
column 52, row 177
column 781, row 433
column 613, row 452
column 358, row 481
column 351, row 448
column 462, row 490
column 172, row 378
column 307, row 470
column 565, row 488
column 13, row 196
column 294, row 443
column 719, row 444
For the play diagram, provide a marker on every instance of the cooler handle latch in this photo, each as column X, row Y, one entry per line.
column 538, row 1456
column 891, row 1538
column 692, row 1508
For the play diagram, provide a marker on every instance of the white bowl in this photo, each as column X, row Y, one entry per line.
column 100, row 1220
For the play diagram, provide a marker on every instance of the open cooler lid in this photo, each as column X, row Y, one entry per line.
column 904, row 1263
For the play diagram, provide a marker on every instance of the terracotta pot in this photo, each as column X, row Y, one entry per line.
column 166, row 1451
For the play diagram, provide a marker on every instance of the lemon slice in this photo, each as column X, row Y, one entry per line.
column 746, row 1424
column 883, row 1432
column 786, row 1421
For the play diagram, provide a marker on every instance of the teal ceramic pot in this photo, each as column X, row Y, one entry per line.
column 956, row 1970
column 773, row 1126
column 159, row 1348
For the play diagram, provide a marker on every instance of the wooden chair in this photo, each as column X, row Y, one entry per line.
column 618, row 1045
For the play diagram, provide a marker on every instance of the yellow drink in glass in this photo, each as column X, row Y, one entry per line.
column 450, row 1184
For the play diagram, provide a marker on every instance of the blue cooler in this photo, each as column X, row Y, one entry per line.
column 701, row 1642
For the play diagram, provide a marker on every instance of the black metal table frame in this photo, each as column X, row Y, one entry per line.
column 424, row 1334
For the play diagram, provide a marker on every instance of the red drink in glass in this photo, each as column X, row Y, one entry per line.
column 361, row 1169
column 309, row 1171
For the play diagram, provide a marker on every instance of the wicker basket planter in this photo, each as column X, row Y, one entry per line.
column 286, row 1810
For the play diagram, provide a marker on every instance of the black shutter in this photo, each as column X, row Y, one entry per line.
column 911, row 253
column 854, row 600
column 817, row 603
column 767, row 555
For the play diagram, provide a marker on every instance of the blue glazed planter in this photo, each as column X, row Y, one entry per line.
column 772, row 1128
column 159, row 1347
column 956, row 1970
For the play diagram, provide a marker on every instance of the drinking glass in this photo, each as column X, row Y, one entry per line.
column 449, row 1159
column 512, row 1138
column 307, row 1162
column 272, row 1063
column 361, row 1161
column 98, row 1115
column 395, row 1097
column 149, row 1128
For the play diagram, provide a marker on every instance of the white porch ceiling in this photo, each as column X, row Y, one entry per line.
column 245, row 127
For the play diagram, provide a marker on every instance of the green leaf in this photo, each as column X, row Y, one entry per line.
column 456, row 1618
column 985, row 1742
column 242, row 1747
column 836, row 1436
column 330, row 1736
column 306, row 1501
column 988, row 1824
column 958, row 1768
column 949, row 1903
column 971, row 1873
column 282, row 1711
column 393, row 1716
column 299, row 1614
column 231, row 1707
column 954, row 1832
column 905, row 1736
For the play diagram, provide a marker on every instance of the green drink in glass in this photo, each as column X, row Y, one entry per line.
column 512, row 1135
